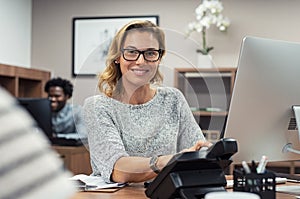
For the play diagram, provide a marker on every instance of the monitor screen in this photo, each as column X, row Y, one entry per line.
column 40, row 110
column 267, row 84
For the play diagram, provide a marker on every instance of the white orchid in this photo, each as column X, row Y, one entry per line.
column 208, row 13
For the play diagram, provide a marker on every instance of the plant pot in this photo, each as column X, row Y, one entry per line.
column 204, row 61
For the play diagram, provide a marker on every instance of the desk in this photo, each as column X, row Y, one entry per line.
column 137, row 191
column 76, row 158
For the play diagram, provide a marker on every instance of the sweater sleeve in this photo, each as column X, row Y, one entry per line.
column 104, row 139
column 189, row 130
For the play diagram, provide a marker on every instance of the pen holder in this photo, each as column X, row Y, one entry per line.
column 263, row 184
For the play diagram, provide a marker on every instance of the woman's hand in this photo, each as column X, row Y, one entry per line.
column 198, row 146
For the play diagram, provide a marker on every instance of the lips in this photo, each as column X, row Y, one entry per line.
column 54, row 105
column 139, row 72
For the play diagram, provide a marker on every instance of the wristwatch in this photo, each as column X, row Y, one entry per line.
column 153, row 162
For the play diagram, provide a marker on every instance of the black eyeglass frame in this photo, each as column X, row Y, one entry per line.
column 143, row 53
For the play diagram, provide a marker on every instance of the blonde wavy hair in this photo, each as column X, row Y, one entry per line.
column 110, row 77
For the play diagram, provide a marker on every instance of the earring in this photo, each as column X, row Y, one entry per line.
column 116, row 62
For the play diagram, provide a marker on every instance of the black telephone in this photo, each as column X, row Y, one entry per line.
column 193, row 174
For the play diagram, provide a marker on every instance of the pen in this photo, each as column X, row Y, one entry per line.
column 253, row 167
column 246, row 167
column 90, row 187
column 262, row 164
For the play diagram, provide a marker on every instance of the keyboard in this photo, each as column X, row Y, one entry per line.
column 289, row 189
column 289, row 177
column 68, row 141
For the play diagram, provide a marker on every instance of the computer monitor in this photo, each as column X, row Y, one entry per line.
column 267, row 85
column 40, row 110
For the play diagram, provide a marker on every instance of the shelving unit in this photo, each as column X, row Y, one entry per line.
column 23, row 82
column 208, row 92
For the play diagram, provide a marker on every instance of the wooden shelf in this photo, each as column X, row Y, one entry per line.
column 207, row 113
column 23, row 82
column 207, row 89
column 205, row 72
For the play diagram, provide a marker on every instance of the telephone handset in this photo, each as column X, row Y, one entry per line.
column 194, row 173
column 222, row 149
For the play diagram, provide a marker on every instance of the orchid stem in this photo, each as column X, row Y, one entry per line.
column 204, row 40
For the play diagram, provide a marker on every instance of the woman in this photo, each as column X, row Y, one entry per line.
column 134, row 126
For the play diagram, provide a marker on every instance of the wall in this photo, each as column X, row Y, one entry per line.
column 52, row 31
column 15, row 32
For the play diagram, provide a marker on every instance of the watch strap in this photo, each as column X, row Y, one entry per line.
column 153, row 163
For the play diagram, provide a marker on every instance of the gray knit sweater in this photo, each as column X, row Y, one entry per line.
column 164, row 125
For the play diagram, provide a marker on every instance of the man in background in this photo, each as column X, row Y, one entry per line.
column 67, row 119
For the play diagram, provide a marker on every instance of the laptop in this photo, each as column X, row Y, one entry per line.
column 40, row 110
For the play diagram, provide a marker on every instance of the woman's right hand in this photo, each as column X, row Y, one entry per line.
column 163, row 160
column 199, row 144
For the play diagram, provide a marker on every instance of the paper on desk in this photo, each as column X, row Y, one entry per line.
column 290, row 189
column 96, row 182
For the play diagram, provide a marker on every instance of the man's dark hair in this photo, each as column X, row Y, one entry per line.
column 66, row 85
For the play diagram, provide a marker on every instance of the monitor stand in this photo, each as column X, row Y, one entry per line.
column 296, row 109
column 289, row 147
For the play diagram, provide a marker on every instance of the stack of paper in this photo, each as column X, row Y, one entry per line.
column 93, row 183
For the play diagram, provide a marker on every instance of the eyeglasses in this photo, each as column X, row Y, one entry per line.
column 149, row 55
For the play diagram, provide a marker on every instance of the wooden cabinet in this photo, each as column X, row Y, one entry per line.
column 208, row 92
column 23, row 82
column 76, row 158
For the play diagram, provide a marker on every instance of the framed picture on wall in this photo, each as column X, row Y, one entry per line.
column 91, row 39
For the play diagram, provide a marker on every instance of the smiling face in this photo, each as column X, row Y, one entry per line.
column 139, row 73
column 57, row 97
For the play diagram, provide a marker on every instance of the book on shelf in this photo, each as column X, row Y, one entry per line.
column 208, row 109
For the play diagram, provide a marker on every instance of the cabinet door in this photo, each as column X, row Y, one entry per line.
column 76, row 159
